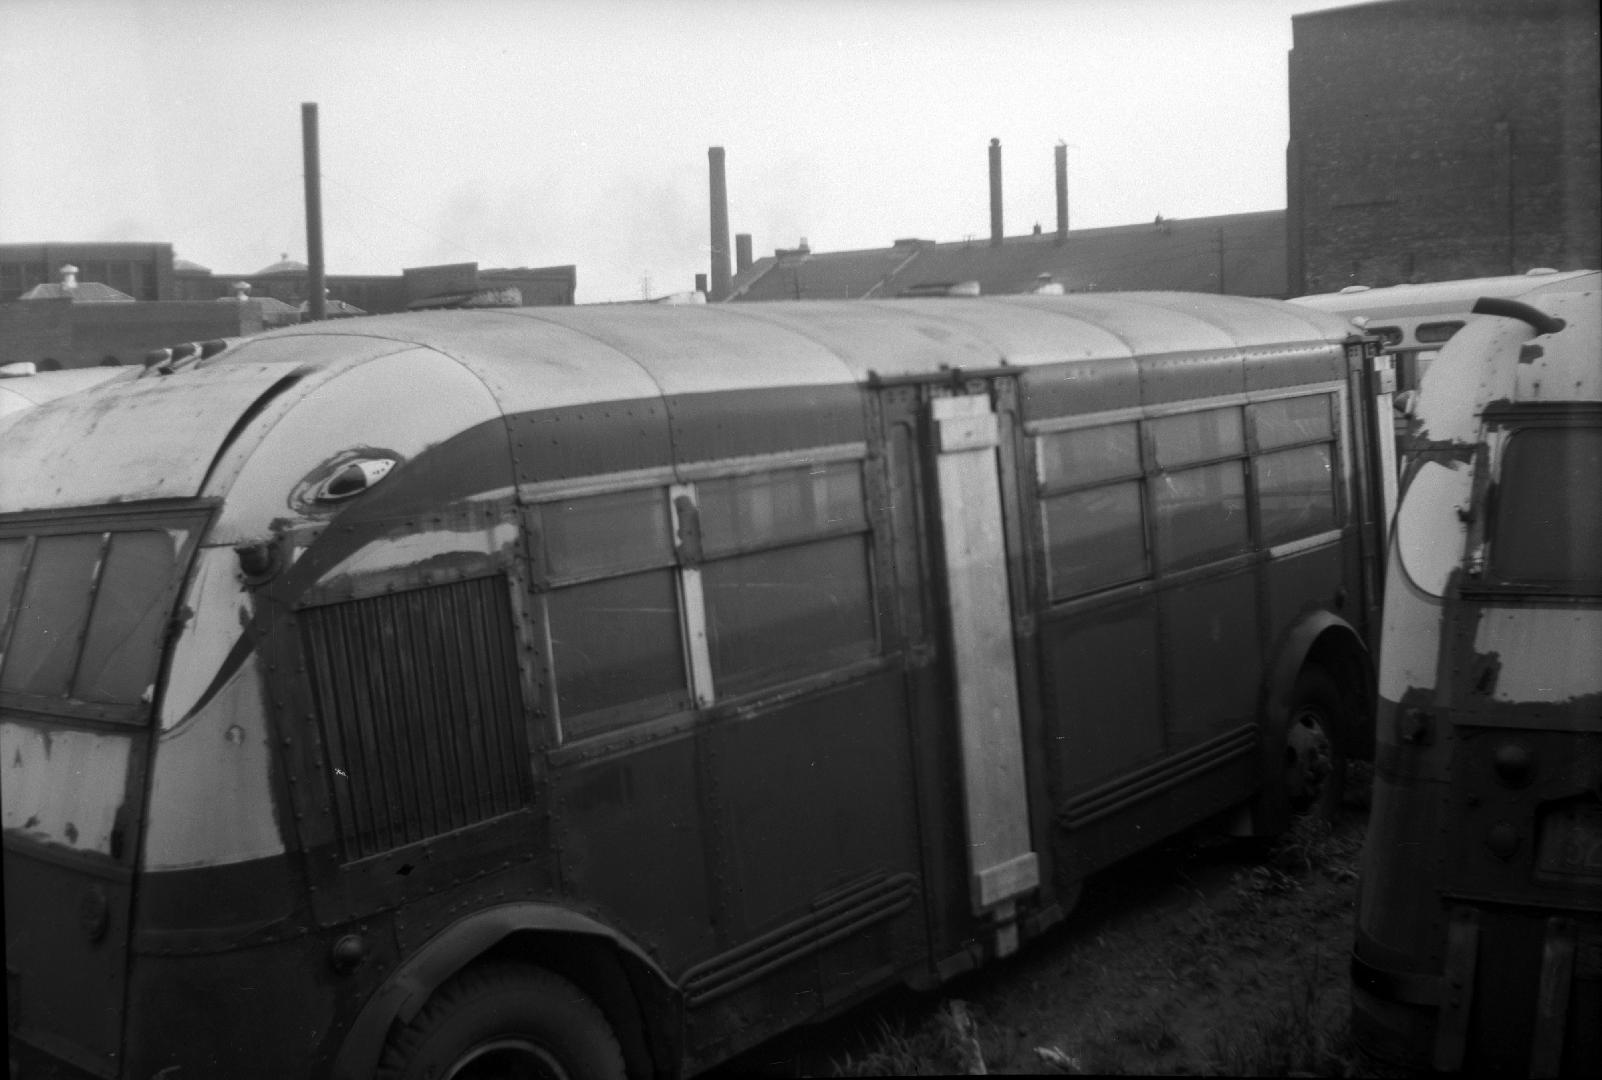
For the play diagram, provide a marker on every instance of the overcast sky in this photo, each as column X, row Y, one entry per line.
column 524, row 133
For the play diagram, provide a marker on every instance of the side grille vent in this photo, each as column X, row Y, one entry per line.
column 419, row 708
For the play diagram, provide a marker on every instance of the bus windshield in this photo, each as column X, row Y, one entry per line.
column 1549, row 514
column 83, row 615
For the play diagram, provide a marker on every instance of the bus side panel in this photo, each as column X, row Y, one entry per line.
column 1105, row 692
column 1211, row 628
column 634, row 844
column 244, row 1012
column 1294, row 583
column 818, row 871
column 65, row 973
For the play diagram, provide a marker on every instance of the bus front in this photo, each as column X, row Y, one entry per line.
column 1479, row 937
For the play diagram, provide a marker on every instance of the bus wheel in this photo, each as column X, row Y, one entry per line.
column 505, row 1022
column 1315, row 761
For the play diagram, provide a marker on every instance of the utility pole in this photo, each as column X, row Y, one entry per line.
column 1220, row 259
column 315, row 276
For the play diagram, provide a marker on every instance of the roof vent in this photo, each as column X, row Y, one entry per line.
column 241, row 290
column 1354, row 288
column 69, row 276
column 1540, row 271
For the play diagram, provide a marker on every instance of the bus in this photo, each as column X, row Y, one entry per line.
column 1414, row 322
column 1479, row 930
column 600, row 691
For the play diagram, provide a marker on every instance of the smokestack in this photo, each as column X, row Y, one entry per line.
column 995, row 192
column 1062, row 192
column 742, row 252
column 720, row 225
column 317, row 291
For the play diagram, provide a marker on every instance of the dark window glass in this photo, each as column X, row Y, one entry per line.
column 1072, row 458
column 11, row 552
column 1291, row 420
column 1389, row 336
column 1198, row 436
column 1548, row 527
column 1435, row 332
column 119, row 656
column 621, row 530
column 1094, row 539
column 53, row 614
column 1295, row 493
column 780, row 614
column 615, row 641
column 1200, row 515
column 773, row 507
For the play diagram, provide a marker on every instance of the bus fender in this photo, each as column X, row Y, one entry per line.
column 1324, row 638
column 406, row 990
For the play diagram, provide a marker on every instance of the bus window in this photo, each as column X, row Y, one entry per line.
column 44, row 645
column 1095, row 535
column 1548, row 514
column 1436, row 332
column 1295, row 480
column 613, row 609
column 1295, row 493
column 778, row 612
column 1198, row 514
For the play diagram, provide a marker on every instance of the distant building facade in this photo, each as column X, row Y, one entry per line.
column 1242, row 254
column 1441, row 139
column 149, row 271
column 82, row 318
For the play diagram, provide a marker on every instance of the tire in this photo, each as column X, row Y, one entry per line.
column 504, row 1021
column 1314, row 755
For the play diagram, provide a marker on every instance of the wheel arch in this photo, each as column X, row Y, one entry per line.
column 636, row 996
column 1325, row 640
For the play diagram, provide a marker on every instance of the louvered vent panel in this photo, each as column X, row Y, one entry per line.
column 417, row 697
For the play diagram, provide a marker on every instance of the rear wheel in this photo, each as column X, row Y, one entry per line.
column 505, row 1022
column 1314, row 759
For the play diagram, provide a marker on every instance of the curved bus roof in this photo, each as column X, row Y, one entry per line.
column 1445, row 297
column 160, row 436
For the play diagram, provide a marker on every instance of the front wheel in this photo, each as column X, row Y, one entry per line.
column 505, row 1022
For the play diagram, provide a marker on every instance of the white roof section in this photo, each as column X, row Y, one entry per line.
column 1445, row 297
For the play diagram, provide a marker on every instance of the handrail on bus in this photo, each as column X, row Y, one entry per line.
column 1518, row 309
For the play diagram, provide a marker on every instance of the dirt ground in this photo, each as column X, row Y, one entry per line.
column 1203, row 957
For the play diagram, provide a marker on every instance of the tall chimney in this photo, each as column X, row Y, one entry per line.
column 720, row 225
column 1062, row 192
column 315, row 287
column 742, row 252
column 995, row 192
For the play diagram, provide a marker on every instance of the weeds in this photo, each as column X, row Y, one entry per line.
column 945, row 1044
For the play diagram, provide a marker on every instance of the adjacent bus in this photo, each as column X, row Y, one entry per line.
column 1414, row 322
column 1479, row 936
column 600, row 691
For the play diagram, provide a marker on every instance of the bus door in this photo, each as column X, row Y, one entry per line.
column 86, row 604
column 956, row 432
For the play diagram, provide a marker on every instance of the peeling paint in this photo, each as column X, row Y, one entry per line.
column 1547, row 654
column 70, row 795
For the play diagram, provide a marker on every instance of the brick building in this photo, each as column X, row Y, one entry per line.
column 87, row 324
column 1439, row 139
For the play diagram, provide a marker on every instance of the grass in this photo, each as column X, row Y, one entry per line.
column 1244, row 981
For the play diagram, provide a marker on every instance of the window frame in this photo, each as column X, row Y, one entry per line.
column 1157, row 569
column 686, row 559
column 191, row 517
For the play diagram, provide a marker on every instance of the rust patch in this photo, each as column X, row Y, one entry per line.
column 1486, row 668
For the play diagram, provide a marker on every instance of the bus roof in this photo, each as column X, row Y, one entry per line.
column 158, row 436
column 1444, row 297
